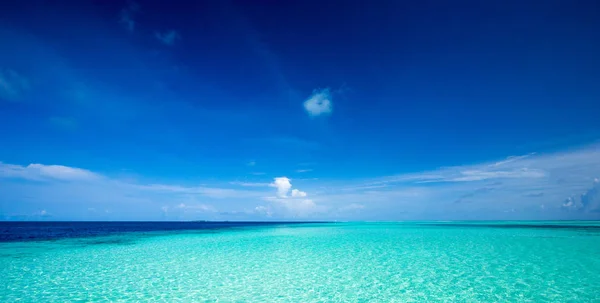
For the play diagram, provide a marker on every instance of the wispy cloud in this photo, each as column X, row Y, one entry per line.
column 211, row 192
column 250, row 184
column 12, row 85
column 513, row 168
column 43, row 172
column 168, row 38
column 127, row 15
column 319, row 103
column 69, row 191
column 539, row 186
column 561, row 185
column 251, row 163
column 511, row 159
column 306, row 170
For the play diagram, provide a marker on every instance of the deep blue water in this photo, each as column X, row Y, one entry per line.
column 36, row 231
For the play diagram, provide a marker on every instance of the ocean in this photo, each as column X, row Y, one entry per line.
column 306, row 262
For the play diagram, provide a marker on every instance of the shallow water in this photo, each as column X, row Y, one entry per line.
column 336, row 262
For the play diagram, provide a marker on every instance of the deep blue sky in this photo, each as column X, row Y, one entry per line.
column 171, row 99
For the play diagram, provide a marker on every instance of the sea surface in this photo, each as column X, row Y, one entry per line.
column 311, row 262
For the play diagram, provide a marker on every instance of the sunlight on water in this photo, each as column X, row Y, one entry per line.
column 369, row 262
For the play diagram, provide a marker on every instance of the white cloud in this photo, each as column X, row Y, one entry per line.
column 304, row 170
column 511, row 159
column 562, row 181
column 512, row 168
column 298, row 193
column 283, row 186
column 168, row 37
column 565, row 183
column 294, row 204
column 251, row 163
column 41, row 172
column 319, row 103
column 74, row 192
column 12, row 85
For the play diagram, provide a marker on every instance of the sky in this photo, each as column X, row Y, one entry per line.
column 299, row 110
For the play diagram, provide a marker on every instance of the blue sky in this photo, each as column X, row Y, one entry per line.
column 237, row 110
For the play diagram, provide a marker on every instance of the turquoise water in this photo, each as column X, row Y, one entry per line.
column 339, row 262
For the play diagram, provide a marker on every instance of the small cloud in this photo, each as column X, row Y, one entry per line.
column 12, row 85
column 298, row 193
column 126, row 16
column 304, row 170
column 258, row 173
column 251, row 163
column 168, row 37
column 319, row 103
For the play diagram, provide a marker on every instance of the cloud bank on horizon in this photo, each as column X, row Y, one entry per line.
column 160, row 110
column 561, row 185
